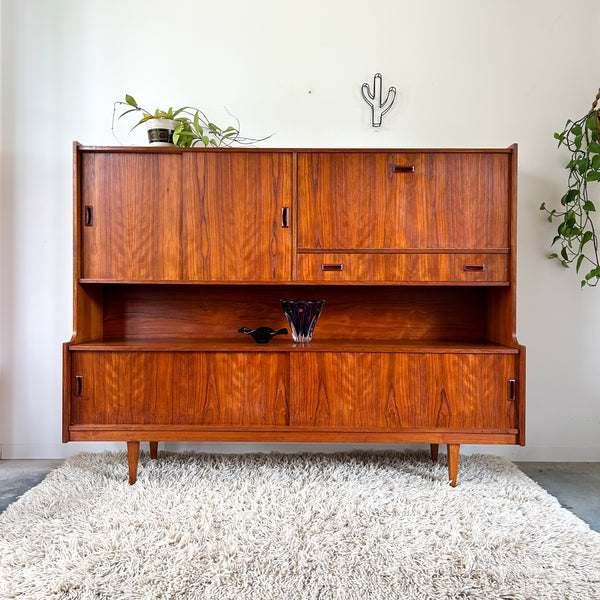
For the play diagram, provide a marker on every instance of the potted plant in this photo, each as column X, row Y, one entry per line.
column 576, row 234
column 186, row 127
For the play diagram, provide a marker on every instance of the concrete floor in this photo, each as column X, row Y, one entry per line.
column 18, row 476
column 576, row 485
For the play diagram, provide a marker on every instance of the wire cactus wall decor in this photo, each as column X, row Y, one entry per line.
column 375, row 100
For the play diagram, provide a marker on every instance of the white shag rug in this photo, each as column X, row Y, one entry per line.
column 273, row 526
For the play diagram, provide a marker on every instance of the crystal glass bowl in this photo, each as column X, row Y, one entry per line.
column 302, row 316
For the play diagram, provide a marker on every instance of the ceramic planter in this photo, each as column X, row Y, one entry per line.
column 160, row 131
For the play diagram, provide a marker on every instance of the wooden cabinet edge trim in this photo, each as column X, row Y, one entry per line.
column 177, row 150
column 337, row 346
column 170, row 433
column 317, row 282
column 307, row 250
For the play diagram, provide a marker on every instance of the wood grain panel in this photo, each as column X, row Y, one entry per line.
column 453, row 200
column 390, row 391
column 174, row 388
column 399, row 268
column 233, row 230
column 134, row 229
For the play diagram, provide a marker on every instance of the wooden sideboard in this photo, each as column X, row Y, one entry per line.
column 413, row 252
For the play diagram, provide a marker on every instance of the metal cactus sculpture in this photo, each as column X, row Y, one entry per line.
column 374, row 100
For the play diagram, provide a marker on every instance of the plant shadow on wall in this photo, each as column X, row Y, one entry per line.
column 576, row 233
column 185, row 127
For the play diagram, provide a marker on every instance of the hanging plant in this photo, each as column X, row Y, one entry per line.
column 576, row 234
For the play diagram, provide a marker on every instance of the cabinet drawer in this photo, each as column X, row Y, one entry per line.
column 403, row 391
column 179, row 388
column 456, row 268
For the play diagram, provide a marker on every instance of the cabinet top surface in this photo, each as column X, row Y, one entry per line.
column 178, row 150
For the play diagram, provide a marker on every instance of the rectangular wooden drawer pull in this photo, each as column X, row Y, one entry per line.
column 325, row 267
column 403, row 169
column 473, row 267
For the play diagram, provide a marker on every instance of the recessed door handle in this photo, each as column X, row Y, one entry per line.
column 471, row 268
column 78, row 385
column 338, row 267
column 88, row 215
column 512, row 390
column 285, row 217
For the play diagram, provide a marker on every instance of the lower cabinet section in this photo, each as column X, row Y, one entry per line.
column 295, row 395
column 180, row 388
column 399, row 391
column 329, row 390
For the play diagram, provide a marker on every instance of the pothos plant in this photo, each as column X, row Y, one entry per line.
column 194, row 127
column 576, row 234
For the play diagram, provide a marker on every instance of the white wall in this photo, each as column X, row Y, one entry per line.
column 469, row 74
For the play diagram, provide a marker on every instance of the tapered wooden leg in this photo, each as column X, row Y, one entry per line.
column 133, row 456
column 154, row 450
column 434, row 451
column 453, row 452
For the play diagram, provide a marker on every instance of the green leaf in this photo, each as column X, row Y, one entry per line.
column 569, row 197
column 596, row 163
column 130, row 100
column 579, row 261
column 589, row 206
column 593, row 176
column 543, row 204
column 578, row 140
column 564, row 254
column 594, row 147
column 576, row 129
column 136, row 110
column 591, row 122
column 587, row 236
column 583, row 164
column 553, row 255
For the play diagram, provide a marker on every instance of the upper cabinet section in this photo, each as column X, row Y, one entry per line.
column 276, row 216
column 378, row 200
column 131, row 216
column 237, row 216
column 185, row 216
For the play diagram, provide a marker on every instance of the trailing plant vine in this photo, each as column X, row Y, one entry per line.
column 576, row 233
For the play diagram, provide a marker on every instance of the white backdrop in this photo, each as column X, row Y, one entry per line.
column 468, row 73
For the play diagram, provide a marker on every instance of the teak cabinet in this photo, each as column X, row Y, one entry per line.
column 413, row 252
